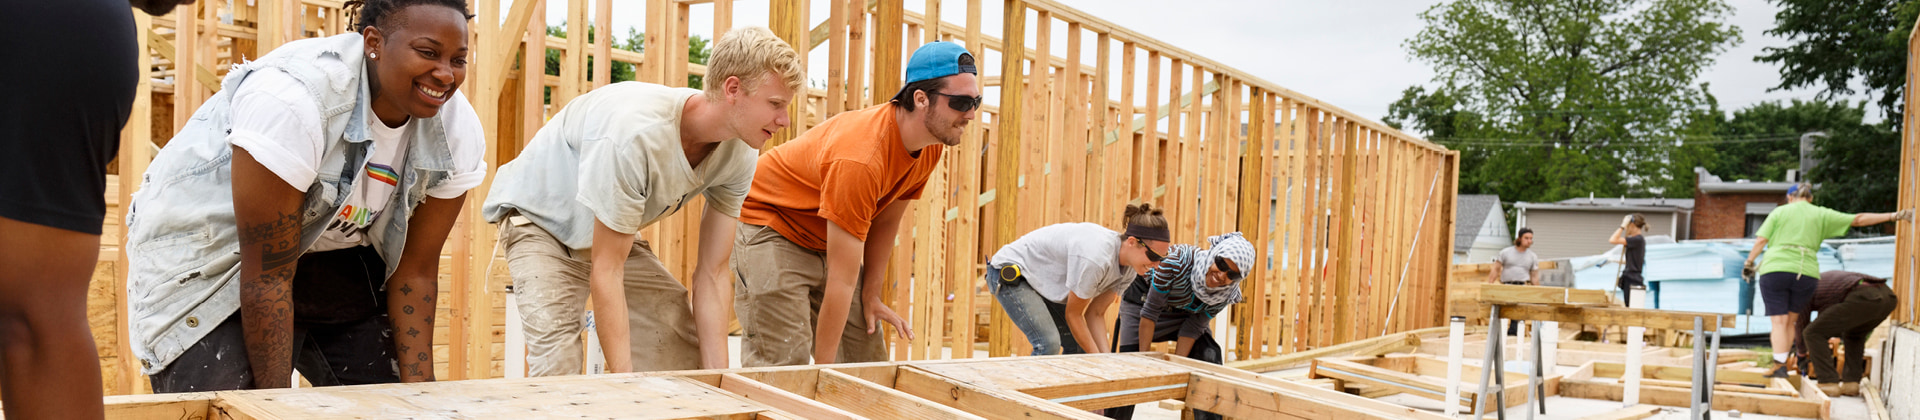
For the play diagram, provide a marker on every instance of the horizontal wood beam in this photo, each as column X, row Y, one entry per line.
column 873, row 400
column 1625, row 317
column 986, row 402
column 1506, row 294
column 1372, row 345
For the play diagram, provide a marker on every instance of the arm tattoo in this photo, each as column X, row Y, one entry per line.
column 269, row 252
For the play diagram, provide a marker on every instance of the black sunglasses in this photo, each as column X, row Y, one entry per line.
column 1221, row 263
column 958, row 102
column 1151, row 256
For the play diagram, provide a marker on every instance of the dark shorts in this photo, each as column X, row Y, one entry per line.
column 71, row 75
column 1785, row 292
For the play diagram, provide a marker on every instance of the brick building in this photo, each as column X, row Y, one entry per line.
column 1732, row 209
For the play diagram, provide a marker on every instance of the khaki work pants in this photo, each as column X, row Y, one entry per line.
column 778, row 301
column 551, row 283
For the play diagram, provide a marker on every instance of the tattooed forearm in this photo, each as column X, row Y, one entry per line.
column 269, row 249
column 410, row 307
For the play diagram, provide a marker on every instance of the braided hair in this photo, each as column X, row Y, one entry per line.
column 379, row 13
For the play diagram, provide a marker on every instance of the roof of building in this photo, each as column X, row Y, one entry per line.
column 1662, row 205
column 1469, row 214
column 1711, row 184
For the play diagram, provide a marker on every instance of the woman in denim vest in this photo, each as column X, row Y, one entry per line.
column 297, row 220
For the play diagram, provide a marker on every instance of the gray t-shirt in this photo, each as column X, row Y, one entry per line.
column 1516, row 265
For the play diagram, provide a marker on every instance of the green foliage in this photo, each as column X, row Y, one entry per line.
column 1858, row 169
column 699, row 49
column 1835, row 43
column 1552, row 99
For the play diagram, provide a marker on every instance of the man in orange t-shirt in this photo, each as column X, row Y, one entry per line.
column 823, row 211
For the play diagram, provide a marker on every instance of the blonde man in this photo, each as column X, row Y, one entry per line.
column 612, row 162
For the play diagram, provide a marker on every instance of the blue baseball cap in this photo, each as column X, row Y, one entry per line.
column 936, row 60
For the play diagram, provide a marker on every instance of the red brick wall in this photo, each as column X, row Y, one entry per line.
column 1722, row 216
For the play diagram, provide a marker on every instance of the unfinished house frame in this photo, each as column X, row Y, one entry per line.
column 1355, row 216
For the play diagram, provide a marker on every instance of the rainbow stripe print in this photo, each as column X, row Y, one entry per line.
column 383, row 173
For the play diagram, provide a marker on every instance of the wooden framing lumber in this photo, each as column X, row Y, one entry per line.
column 781, row 399
column 1649, row 318
column 879, row 402
column 1592, row 383
column 1558, row 296
column 1369, row 347
column 1307, row 392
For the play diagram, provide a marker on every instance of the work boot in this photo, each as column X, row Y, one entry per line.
column 1851, row 389
column 1832, row 389
column 1779, row 371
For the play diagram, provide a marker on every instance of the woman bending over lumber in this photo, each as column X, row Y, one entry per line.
column 1057, row 281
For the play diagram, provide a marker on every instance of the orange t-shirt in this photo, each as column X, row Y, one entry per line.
column 859, row 155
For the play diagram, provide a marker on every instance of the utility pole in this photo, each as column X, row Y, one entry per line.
column 1806, row 151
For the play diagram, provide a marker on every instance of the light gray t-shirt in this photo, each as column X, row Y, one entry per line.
column 614, row 155
column 1516, row 265
column 1080, row 257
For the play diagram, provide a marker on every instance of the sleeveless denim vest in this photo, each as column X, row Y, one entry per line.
column 183, row 245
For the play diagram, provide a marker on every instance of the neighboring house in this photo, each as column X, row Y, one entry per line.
column 1580, row 226
column 1480, row 229
column 1735, row 209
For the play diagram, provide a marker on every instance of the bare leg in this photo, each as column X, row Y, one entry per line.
column 1783, row 331
column 48, row 366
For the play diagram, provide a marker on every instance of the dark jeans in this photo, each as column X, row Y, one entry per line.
column 1853, row 319
column 1204, row 349
column 341, row 334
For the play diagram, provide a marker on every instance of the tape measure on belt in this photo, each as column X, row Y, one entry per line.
column 1009, row 272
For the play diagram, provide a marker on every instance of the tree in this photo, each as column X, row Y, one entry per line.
column 1762, row 141
column 1564, row 98
column 1837, row 42
column 699, row 49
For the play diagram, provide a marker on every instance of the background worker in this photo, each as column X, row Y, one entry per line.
column 1516, row 265
column 1850, row 306
column 1633, row 253
column 1788, row 276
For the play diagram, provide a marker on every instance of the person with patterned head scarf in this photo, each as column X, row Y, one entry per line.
column 1184, row 292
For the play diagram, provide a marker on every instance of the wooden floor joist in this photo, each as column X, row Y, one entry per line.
column 1050, row 387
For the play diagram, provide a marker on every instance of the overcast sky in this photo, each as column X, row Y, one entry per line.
column 1343, row 53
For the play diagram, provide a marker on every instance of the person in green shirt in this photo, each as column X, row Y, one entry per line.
column 1791, row 238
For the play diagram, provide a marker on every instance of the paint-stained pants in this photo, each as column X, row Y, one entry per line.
column 778, row 299
column 550, row 281
column 341, row 334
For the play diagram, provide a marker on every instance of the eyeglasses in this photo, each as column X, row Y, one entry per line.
column 958, row 102
column 1151, row 256
column 1221, row 263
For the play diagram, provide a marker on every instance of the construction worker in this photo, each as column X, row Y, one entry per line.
column 614, row 161
column 331, row 166
column 1516, row 265
column 818, row 226
column 1791, row 238
column 75, row 74
column 1056, row 282
column 1850, row 305
column 1182, row 295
